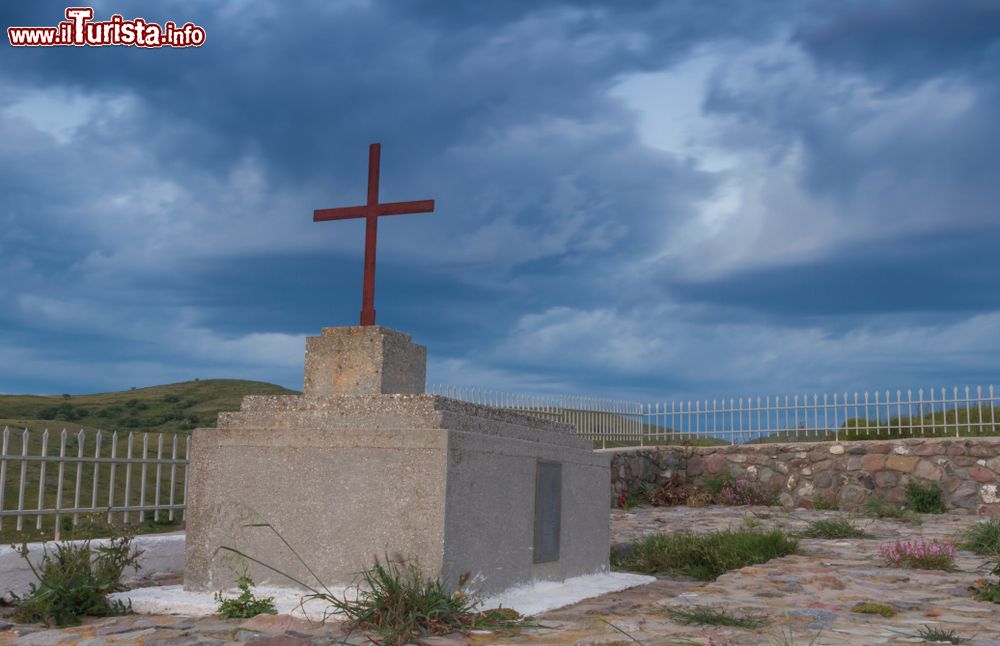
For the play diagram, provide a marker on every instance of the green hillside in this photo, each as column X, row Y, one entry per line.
column 155, row 410
column 173, row 407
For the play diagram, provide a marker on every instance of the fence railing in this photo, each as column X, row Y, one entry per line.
column 879, row 414
column 54, row 480
column 133, row 478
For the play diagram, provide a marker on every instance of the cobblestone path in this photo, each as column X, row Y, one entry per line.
column 808, row 597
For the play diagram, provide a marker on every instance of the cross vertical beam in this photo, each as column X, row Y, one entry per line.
column 371, row 213
column 371, row 237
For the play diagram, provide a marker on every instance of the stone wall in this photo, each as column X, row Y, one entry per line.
column 966, row 469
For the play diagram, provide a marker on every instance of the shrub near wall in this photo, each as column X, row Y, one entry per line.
column 966, row 469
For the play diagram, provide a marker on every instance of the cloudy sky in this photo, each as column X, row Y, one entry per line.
column 643, row 199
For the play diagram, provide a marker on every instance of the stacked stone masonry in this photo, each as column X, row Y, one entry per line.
column 966, row 469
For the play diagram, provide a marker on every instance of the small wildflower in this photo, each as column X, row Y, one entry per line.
column 925, row 555
column 744, row 492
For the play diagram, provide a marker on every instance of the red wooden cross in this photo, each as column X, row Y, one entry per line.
column 371, row 212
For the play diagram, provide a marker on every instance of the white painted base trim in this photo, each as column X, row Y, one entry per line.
column 532, row 599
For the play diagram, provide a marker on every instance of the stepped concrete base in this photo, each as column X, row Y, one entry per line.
column 454, row 487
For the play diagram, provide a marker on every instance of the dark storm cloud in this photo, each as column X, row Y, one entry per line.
column 328, row 76
column 942, row 274
column 905, row 41
column 167, row 234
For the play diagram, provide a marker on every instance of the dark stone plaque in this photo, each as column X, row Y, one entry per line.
column 548, row 507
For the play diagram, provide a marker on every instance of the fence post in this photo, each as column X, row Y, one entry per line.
column 41, row 479
column 24, row 477
column 954, row 399
column 59, row 482
column 128, row 476
column 3, row 467
column 111, row 475
column 80, row 437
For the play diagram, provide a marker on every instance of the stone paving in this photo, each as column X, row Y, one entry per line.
column 808, row 597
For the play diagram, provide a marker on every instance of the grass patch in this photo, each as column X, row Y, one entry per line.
column 924, row 499
column 75, row 579
column 878, row 508
column 788, row 639
column 826, row 503
column 94, row 525
column 702, row 556
column 833, row 528
column 982, row 538
column 708, row 616
column 870, row 608
column 939, row 635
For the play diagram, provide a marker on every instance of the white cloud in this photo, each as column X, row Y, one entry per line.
column 781, row 118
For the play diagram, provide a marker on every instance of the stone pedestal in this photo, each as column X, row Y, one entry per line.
column 347, row 472
column 370, row 360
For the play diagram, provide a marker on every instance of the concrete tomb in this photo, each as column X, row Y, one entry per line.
column 364, row 465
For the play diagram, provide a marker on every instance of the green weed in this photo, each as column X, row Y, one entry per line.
column 703, row 556
column 708, row 616
column 833, row 528
column 939, row 635
column 246, row 604
column 878, row 508
column 75, row 579
column 924, row 499
column 982, row 538
column 825, row 503
column 788, row 639
column 871, row 608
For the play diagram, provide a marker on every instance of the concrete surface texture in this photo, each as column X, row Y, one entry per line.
column 366, row 360
column 967, row 469
column 345, row 478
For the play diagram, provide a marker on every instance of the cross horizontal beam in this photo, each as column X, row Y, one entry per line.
column 389, row 208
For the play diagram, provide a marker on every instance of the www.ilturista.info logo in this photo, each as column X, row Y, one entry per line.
column 80, row 30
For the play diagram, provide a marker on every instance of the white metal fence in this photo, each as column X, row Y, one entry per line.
column 144, row 476
column 934, row 412
column 91, row 474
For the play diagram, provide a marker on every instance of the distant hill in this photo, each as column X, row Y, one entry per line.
column 173, row 407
